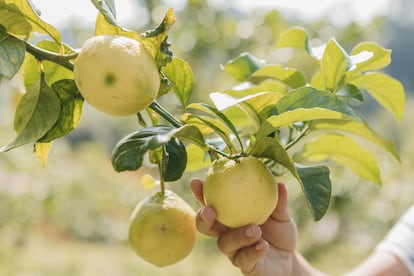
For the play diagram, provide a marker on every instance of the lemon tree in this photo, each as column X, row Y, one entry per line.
column 295, row 120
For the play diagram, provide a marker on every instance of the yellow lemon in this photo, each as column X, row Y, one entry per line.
column 242, row 191
column 162, row 229
column 116, row 75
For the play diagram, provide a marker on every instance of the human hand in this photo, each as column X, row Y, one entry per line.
column 268, row 249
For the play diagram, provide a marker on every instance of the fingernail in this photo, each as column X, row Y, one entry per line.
column 205, row 213
column 250, row 232
column 259, row 246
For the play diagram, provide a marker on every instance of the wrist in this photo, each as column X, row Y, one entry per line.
column 301, row 267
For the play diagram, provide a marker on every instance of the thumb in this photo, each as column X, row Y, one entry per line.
column 281, row 212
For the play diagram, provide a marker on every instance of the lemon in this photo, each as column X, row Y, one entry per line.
column 116, row 75
column 162, row 229
column 242, row 191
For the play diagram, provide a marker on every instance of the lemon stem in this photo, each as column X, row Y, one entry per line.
column 42, row 54
column 165, row 114
column 297, row 138
column 162, row 183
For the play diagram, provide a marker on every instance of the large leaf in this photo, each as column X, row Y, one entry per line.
column 334, row 64
column 19, row 17
column 270, row 148
column 129, row 152
column 103, row 26
column 343, row 150
column 290, row 76
column 71, row 110
column 295, row 37
column 12, row 52
column 317, row 188
column 357, row 128
column 297, row 115
column 309, row 97
column 181, row 79
column 388, row 91
column 190, row 133
column 379, row 58
column 174, row 160
column 198, row 159
column 243, row 66
column 37, row 112
column 314, row 182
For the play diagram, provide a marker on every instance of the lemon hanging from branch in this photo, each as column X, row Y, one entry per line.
column 116, row 75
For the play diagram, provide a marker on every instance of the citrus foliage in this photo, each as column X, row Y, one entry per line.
column 267, row 114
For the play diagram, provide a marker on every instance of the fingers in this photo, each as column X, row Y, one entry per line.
column 243, row 246
column 281, row 212
column 232, row 240
column 206, row 222
column 247, row 259
column 197, row 189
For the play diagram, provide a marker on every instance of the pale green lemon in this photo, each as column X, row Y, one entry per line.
column 241, row 191
column 162, row 229
column 116, row 75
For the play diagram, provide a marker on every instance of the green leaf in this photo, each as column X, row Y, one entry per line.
column 297, row 115
column 317, row 188
column 107, row 9
column 71, row 103
column 378, row 58
column 243, row 66
column 129, row 152
column 290, row 76
column 190, row 133
column 19, row 17
column 343, row 150
column 197, row 158
column 358, row 128
column 309, row 97
column 37, row 112
column 174, row 159
column 314, row 181
column 388, row 91
column 53, row 71
column 295, row 37
column 270, row 148
column 334, row 64
column 156, row 40
column 180, row 76
column 351, row 92
column 227, row 123
column 12, row 52
column 105, row 27
column 209, row 125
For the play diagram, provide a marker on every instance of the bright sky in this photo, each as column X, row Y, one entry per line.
column 340, row 11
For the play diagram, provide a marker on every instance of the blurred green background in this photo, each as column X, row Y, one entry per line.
column 71, row 218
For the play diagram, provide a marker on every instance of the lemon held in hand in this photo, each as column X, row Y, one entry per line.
column 241, row 191
column 162, row 229
column 116, row 75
